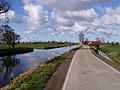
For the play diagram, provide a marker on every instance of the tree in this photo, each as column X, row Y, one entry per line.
column 81, row 38
column 9, row 36
column 112, row 43
column 4, row 6
column 97, row 44
column 86, row 41
column 103, row 40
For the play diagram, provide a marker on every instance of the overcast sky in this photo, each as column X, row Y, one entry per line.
column 63, row 20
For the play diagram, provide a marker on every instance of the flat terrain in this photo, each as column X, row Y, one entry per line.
column 43, row 46
column 39, row 46
column 87, row 72
column 23, row 48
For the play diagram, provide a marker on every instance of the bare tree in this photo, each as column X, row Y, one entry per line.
column 103, row 39
column 9, row 36
column 4, row 6
column 81, row 38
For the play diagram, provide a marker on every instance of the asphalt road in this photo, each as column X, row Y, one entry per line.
column 87, row 72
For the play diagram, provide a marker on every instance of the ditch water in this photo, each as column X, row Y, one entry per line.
column 12, row 66
column 104, row 55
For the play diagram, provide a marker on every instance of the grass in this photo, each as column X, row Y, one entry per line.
column 3, row 46
column 38, row 46
column 12, row 51
column 23, row 48
column 38, row 77
column 109, row 49
column 43, row 46
column 114, row 64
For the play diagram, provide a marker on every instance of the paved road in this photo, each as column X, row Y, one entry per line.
column 87, row 72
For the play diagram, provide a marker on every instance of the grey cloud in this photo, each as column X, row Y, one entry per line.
column 70, row 4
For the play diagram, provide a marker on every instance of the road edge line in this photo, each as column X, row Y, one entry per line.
column 68, row 73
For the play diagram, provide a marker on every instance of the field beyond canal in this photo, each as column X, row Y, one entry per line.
column 24, row 48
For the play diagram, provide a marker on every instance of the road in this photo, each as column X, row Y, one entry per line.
column 87, row 72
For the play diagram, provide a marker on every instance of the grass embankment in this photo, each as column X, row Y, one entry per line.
column 4, row 50
column 112, row 49
column 43, row 46
column 12, row 51
column 37, row 78
column 23, row 48
column 108, row 49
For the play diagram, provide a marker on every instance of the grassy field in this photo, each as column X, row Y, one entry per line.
column 37, row 78
column 23, row 48
column 38, row 46
column 112, row 49
column 3, row 46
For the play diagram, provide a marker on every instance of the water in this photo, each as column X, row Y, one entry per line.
column 104, row 55
column 12, row 66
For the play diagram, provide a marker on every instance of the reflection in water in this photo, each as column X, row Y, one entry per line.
column 7, row 65
column 12, row 66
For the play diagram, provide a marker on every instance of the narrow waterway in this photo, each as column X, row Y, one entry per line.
column 104, row 55
column 12, row 66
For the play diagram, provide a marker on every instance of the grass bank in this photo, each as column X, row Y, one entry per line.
column 109, row 50
column 24, row 48
column 113, row 63
column 12, row 51
column 43, row 46
column 38, row 77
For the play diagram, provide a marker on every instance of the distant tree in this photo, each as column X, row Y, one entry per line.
column 108, row 42
column 9, row 36
column 103, row 40
column 81, row 38
column 4, row 6
column 98, row 39
column 112, row 43
column 86, row 41
column 117, row 43
column 97, row 44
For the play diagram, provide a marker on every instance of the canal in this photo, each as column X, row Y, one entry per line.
column 12, row 66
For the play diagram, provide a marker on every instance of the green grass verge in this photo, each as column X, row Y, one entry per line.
column 43, row 46
column 114, row 64
column 36, row 79
column 37, row 46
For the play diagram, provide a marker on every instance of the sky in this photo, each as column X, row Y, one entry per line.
column 63, row 20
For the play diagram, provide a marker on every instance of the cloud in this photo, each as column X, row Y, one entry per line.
column 58, row 18
column 69, row 17
column 70, row 4
column 112, row 16
column 76, row 28
column 36, row 16
column 83, row 15
column 11, row 15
